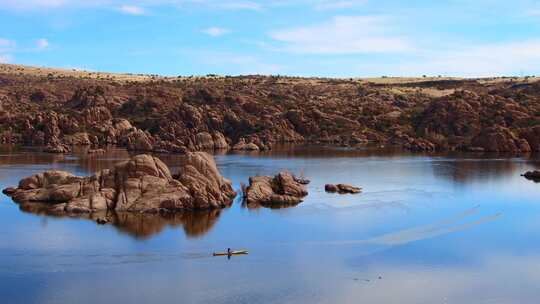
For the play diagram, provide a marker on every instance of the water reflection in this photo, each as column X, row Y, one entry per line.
column 196, row 224
column 465, row 170
column 412, row 232
column 274, row 206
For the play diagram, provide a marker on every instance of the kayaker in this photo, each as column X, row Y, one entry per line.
column 229, row 251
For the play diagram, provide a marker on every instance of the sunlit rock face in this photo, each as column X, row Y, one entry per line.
column 143, row 184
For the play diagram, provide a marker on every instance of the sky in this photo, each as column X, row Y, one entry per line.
column 341, row 38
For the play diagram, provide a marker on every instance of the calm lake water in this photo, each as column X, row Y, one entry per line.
column 453, row 228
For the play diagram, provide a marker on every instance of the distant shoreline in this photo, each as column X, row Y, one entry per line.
column 7, row 68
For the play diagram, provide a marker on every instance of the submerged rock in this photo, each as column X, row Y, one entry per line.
column 143, row 184
column 342, row 188
column 282, row 189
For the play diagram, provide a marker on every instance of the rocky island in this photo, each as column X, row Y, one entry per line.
column 280, row 190
column 142, row 184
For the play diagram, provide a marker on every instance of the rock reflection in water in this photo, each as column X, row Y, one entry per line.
column 275, row 206
column 140, row 225
column 480, row 167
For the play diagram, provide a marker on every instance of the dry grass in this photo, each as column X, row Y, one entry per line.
column 433, row 92
column 15, row 69
column 405, row 80
column 55, row 72
column 495, row 80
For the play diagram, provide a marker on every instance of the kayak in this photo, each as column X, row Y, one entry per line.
column 237, row 252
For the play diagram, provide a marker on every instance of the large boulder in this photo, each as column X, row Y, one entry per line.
column 242, row 145
column 143, row 184
column 220, row 142
column 282, row 189
column 138, row 140
column 207, row 141
column 342, row 189
column 204, row 141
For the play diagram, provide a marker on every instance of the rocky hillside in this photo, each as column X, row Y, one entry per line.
column 176, row 115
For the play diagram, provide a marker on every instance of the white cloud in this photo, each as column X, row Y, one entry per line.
column 533, row 12
column 253, row 65
column 42, row 43
column 7, row 45
column 134, row 7
column 240, row 5
column 331, row 5
column 31, row 4
column 5, row 58
column 343, row 35
column 511, row 58
column 243, row 64
column 132, row 10
column 216, row 31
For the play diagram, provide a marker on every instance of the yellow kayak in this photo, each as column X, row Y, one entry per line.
column 237, row 252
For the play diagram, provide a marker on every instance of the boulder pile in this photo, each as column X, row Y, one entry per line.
column 282, row 189
column 142, row 184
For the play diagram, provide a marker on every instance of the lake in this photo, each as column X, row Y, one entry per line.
column 428, row 228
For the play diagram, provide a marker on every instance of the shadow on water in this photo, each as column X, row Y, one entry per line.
column 140, row 225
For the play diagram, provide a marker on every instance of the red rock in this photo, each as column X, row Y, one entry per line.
column 142, row 184
column 342, row 188
column 283, row 189
column 498, row 139
column 256, row 113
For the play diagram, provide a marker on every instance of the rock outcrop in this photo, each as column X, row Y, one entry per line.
column 498, row 139
column 282, row 189
column 342, row 189
column 142, row 184
column 254, row 113
column 242, row 145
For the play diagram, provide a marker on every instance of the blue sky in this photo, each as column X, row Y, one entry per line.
column 342, row 38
